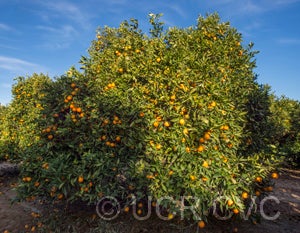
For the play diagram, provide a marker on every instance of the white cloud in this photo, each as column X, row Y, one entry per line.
column 18, row 66
column 57, row 37
column 67, row 10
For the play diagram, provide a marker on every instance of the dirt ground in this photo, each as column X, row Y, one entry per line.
column 19, row 216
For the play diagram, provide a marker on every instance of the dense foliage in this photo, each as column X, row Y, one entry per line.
column 174, row 113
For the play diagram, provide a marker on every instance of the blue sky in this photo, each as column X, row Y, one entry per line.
column 50, row 36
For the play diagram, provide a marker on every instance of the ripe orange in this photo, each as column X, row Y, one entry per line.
column 200, row 148
column 60, row 196
column 126, row 209
column 268, row 189
column 204, row 179
column 201, row 224
column 185, row 131
column 73, row 85
column 258, row 179
column 140, row 205
column 80, row 179
column 155, row 124
column 257, row 193
column 158, row 59
column 201, row 140
column 181, row 121
column 192, row 177
column 245, row 195
column 50, row 136
column 79, row 110
column 158, row 146
column 205, row 164
column 173, row 97
column 139, row 211
column 171, row 172
column 142, row 114
column 188, row 150
column 235, row 210
column 170, row 216
column 230, row 202
column 274, row 175
column 69, row 97
column 167, row 124
column 206, row 136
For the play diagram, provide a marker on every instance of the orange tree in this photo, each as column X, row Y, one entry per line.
column 285, row 118
column 159, row 115
column 19, row 119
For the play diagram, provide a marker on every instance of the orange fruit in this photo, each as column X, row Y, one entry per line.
column 158, row 146
column 139, row 212
column 268, row 189
column 257, row 193
column 201, row 140
column 181, row 121
column 170, row 216
column 205, row 164
column 73, row 85
column 36, row 184
column 200, row 148
column 188, row 150
column 69, row 97
column 274, row 175
column 167, row 124
column 79, row 110
column 171, row 172
column 142, row 114
column 201, row 224
column 186, row 131
column 153, row 204
column 258, row 179
column 204, row 179
column 155, row 124
column 126, row 209
column 118, row 139
column 80, row 179
column 173, row 97
column 50, row 136
column 140, row 205
column 158, row 59
column 245, row 195
column 235, row 210
column 207, row 136
column 230, row 202
column 60, row 196
column 192, row 177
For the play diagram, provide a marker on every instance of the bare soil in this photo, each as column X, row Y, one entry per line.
column 19, row 217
